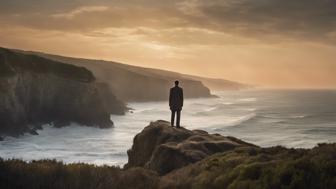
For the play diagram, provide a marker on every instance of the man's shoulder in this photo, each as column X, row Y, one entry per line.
column 176, row 88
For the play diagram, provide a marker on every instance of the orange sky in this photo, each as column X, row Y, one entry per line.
column 276, row 43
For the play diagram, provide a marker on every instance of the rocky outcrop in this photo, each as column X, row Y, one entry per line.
column 196, row 159
column 35, row 91
column 163, row 148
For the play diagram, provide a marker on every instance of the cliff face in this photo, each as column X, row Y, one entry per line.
column 135, row 86
column 35, row 91
column 131, row 83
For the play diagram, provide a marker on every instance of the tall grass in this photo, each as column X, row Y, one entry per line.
column 51, row 174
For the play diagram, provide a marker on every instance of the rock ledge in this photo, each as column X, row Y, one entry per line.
column 163, row 148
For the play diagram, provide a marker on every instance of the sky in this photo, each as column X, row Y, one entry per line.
column 269, row 43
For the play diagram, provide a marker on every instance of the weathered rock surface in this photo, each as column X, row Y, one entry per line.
column 196, row 159
column 35, row 91
column 163, row 148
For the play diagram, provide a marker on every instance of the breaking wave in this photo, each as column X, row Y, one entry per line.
column 265, row 118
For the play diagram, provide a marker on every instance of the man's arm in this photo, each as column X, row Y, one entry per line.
column 182, row 96
column 170, row 97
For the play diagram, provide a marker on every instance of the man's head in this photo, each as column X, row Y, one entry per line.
column 176, row 83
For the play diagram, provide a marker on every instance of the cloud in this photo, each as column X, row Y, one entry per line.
column 257, row 18
column 80, row 10
column 269, row 21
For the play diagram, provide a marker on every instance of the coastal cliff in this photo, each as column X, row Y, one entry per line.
column 163, row 157
column 136, row 84
column 36, row 91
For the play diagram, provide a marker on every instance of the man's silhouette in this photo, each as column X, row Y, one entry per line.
column 176, row 103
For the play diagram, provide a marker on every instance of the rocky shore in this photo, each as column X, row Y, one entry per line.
column 163, row 157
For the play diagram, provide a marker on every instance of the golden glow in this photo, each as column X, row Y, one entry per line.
column 162, row 38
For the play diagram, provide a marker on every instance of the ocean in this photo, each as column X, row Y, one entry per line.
column 290, row 118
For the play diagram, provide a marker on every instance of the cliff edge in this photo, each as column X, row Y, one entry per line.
column 196, row 159
column 163, row 148
column 36, row 91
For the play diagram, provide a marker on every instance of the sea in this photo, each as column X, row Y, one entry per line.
column 290, row 118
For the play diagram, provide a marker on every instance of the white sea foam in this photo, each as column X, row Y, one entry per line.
column 298, row 116
column 263, row 122
column 247, row 99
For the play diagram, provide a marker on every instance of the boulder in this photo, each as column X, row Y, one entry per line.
column 163, row 148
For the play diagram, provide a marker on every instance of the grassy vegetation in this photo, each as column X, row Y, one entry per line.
column 244, row 168
column 257, row 168
column 55, row 175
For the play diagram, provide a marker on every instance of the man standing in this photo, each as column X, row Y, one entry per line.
column 176, row 103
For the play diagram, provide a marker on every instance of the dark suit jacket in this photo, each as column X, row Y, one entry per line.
column 176, row 98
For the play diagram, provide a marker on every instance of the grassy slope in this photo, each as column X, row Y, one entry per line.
column 269, row 168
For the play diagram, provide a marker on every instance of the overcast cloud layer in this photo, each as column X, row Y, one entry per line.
column 237, row 32
column 288, row 18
